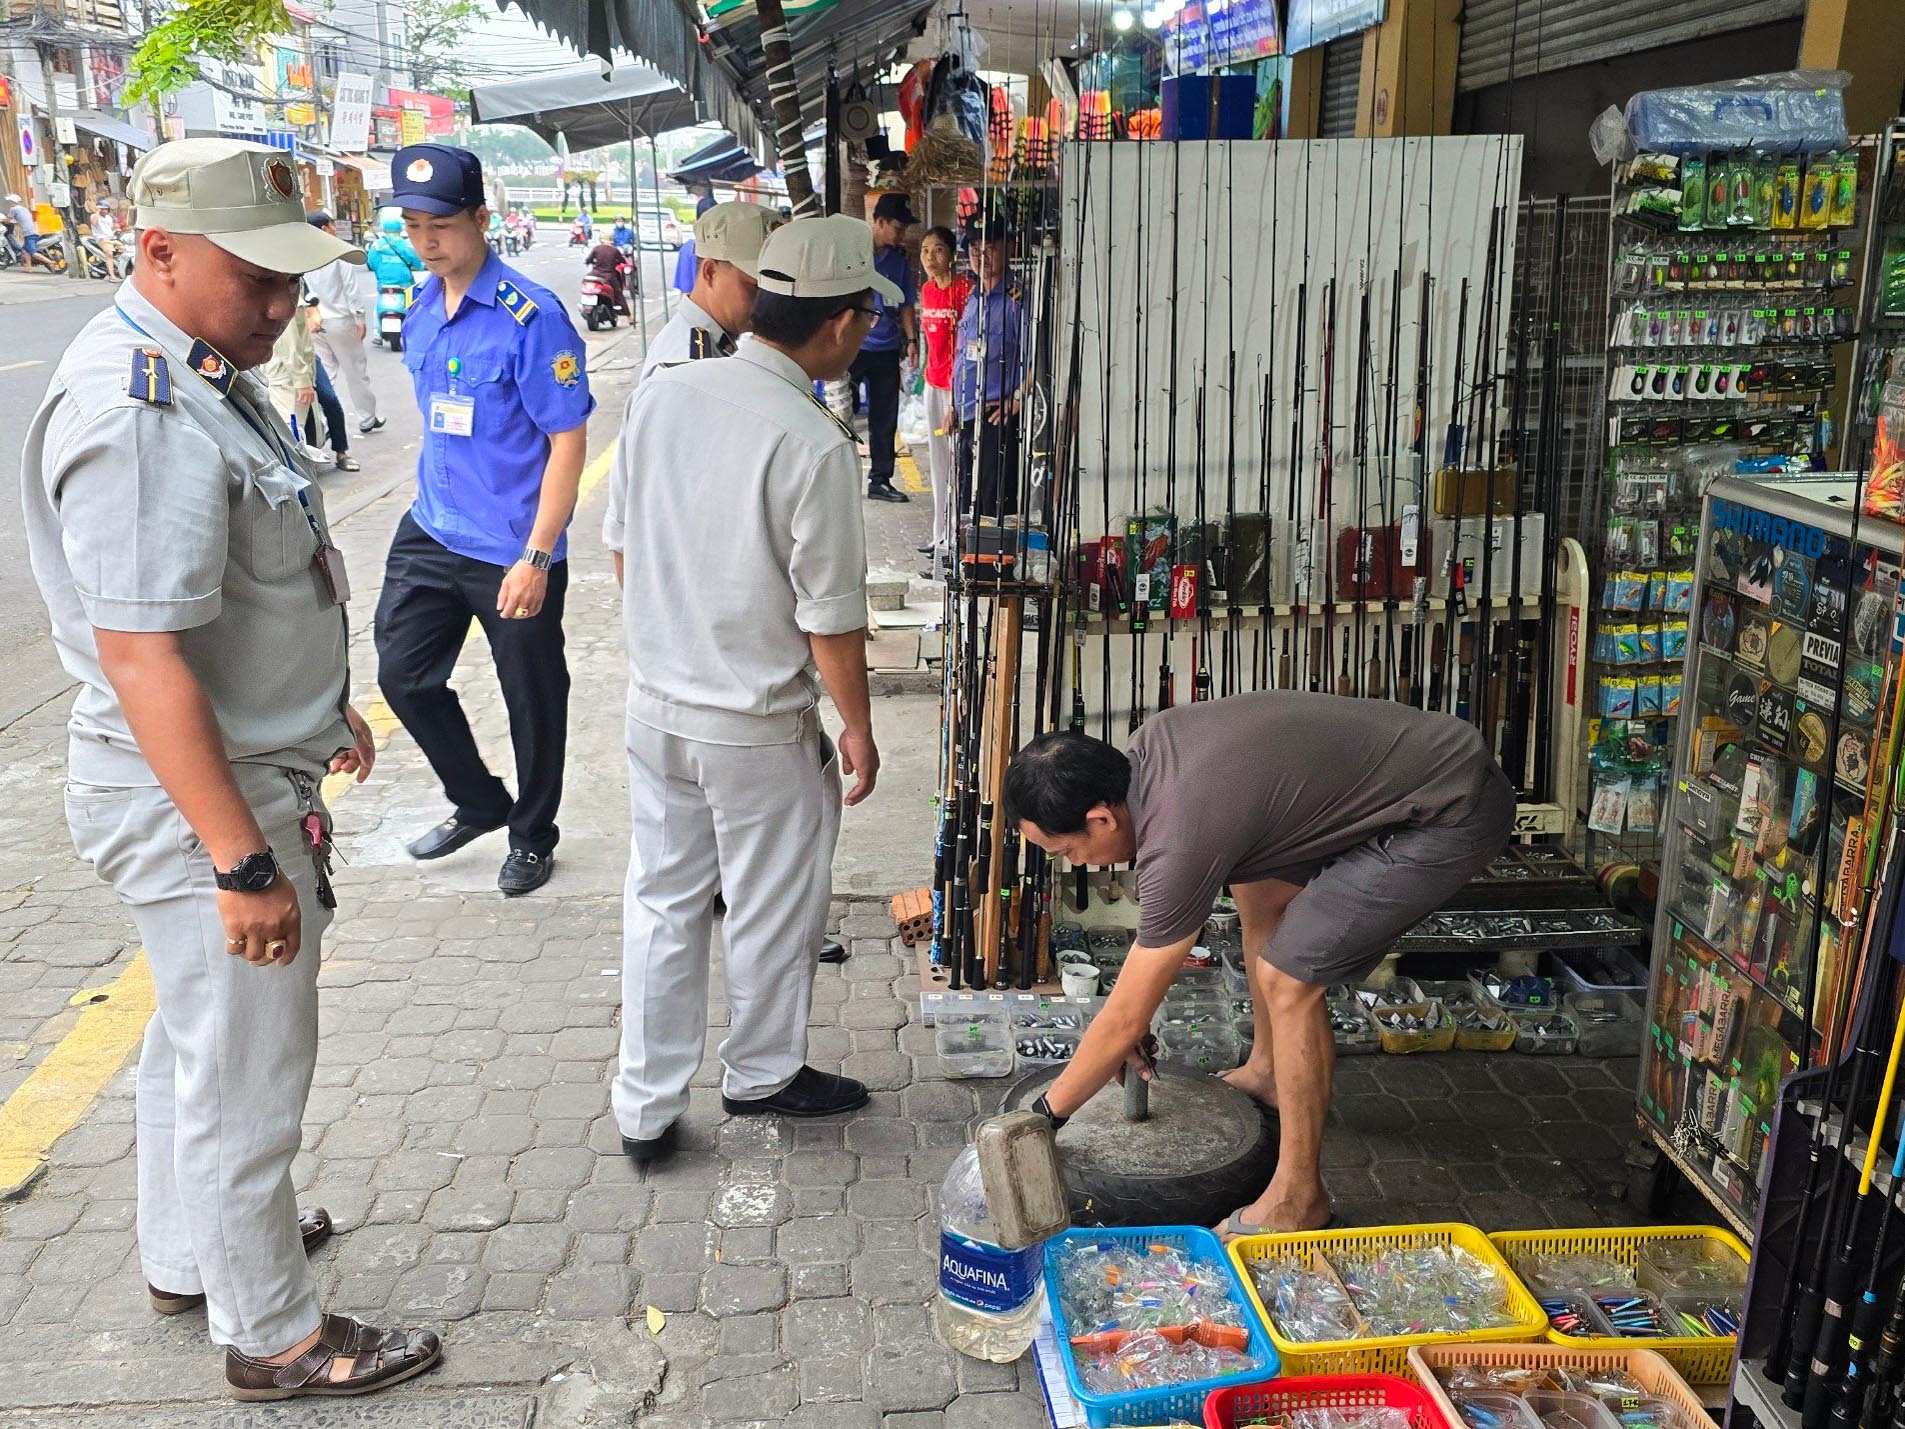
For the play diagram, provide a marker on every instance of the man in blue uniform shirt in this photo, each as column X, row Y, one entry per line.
column 499, row 376
column 895, row 332
column 988, row 381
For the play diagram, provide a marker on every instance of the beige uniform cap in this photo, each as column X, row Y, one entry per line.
column 828, row 257
column 734, row 233
column 242, row 196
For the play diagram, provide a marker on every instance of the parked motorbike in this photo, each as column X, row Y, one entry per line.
column 598, row 303
column 392, row 303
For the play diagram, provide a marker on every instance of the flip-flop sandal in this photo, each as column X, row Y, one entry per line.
column 345, row 463
column 1234, row 1226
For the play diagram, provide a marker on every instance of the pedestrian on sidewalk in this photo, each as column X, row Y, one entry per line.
column 341, row 327
column 1337, row 824
column 894, row 334
column 708, row 323
column 741, row 605
column 498, row 372
column 942, row 301
column 195, row 595
column 989, row 381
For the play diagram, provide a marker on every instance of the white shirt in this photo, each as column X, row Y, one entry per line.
column 335, row 287
column 674, row 343
column 104, row 228
column 745, row 538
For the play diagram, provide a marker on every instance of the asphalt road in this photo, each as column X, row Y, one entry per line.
column 34, row 334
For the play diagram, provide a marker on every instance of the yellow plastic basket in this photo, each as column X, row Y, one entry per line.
column 1383, row 1354
column 1656, row 1376
column 1700, row 1359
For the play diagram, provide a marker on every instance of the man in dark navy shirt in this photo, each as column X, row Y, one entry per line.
column 498, row 372
column 895, row 334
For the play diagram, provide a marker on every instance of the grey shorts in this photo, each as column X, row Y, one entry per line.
column 1343, row 922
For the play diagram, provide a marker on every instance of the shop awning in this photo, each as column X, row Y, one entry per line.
column 589, row 107
column 117, row 130
column 723, row 65
column 376, row 172
column 721, row 162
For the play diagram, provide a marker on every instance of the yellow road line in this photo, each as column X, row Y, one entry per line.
column 112, row 1019
column 57, row 1093
column 910, row 479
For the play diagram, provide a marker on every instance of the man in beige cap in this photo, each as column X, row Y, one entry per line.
column 183, row 554
column 742, row 603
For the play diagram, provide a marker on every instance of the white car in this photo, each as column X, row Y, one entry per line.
column 657, row 227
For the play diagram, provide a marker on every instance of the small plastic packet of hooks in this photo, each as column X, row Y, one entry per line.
column 1416, row 1290
column 1307, row 1303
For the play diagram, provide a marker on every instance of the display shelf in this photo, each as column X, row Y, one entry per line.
column 1751, row 1389
column 1729, row 1213
column 1686, row 931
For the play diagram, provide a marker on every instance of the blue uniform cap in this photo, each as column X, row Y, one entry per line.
column 436, row 178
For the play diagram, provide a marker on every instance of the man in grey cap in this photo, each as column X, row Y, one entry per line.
column 195, row 595
column 732, row 782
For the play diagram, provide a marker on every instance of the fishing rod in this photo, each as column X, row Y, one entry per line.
column 1384, row 681
column 1299, row 539
column 1362, row 550
column 1452, row 445
column 1515, row 733
column 1221, row 573
column 1550, row 475
column 1325, row 506
column 1868, row 1315
column 1415, row 553
column 1477, row 670
column 1170, row 539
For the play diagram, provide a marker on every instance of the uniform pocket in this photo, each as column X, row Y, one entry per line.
column 270, row 533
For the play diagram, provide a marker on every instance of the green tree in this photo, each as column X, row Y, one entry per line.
column 439, row 54
column 167, row 59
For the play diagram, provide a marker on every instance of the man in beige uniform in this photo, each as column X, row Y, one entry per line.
column 196, row 597
column 741, row 604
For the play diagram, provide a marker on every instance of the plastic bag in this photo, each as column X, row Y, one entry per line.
column 913, row 427
column 1798, row 111
column 957, row 99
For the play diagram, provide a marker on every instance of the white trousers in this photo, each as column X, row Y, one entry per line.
column 757, row 823
column 942, row 452
column 226, row 1066
column 342, row 351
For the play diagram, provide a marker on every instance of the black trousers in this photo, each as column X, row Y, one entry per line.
column 881, row 373
column 339, row 434
column 989, row 458
column 430, row 594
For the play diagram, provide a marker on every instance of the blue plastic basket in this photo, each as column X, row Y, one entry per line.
column 1152, row 1406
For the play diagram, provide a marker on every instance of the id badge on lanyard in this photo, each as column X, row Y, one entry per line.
column 452, row 416
column 328, row 561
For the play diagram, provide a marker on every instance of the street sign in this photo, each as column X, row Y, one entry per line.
column 29, row 146
column 350, row 114
column 64, row 131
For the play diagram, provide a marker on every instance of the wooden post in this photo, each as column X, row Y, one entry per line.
column 1408, row 80
column 783, row 92
column 1864, row 38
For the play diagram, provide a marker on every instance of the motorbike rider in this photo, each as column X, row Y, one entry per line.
column 624, row 236
column 393, row 260
column 606, row 262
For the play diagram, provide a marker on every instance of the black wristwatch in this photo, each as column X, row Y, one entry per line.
column 254, row 874
column 1044, row 1109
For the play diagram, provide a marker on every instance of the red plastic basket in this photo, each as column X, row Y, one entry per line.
column 1243, row 1404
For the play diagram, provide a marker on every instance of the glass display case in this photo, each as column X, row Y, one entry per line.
column 1787, row 722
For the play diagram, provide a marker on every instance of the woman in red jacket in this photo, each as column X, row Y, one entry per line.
column 942, row 298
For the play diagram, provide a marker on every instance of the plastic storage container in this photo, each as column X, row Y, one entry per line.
column 1403, row 1031
column 1405, row 994
column 1274, row 1401
column 1701, row 1359
column 1612, row 1024
column 1498, row 1410
column 1547, row 1034
column 1559, row 1409
column 976, row 1042
column 1041, row 1047
column 1651, row 1370
column 1154, row 1406
column 1382, row 1354
column 1601, row 970
column 1697, row 1267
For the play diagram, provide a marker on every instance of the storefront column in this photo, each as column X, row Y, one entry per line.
column 1864, row 38
column 1408, row 84
column 1306, row 94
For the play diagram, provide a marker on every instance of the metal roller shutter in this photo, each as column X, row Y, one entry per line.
column 1342, row 81
column 1544, row 35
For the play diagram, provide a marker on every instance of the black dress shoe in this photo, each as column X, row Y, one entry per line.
column 646, row 1151
column 369, row 425
column 449, row 836
column 885, row 491
column 524, row 872
column 925, row 550
column 811, row 1093
column 832, row 952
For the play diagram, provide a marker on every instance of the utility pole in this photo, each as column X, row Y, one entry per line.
column 783, row 92
column 62, row 168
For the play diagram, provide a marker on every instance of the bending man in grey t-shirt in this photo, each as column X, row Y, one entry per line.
column 1337, row 823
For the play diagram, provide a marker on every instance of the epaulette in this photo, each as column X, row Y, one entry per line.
column 699, row 343
column 151, row 379
column 834, row 417
column 518, row 304
column 212, row 365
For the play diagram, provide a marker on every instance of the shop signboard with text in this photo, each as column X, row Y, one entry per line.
column 1315, row 22
column 1206, row 34
column 350, row 113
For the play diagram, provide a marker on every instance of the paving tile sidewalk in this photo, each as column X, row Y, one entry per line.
column 459, row 1132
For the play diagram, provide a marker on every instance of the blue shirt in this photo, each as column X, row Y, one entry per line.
column 518, row 358
column 993, row 324
column 685, row 265
column 886, row 334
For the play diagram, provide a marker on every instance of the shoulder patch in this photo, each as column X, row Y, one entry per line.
column 820, row 406
column 151, row 378
column 566, row 368
column 699, row 343
column 518, row 304
column 212, row 365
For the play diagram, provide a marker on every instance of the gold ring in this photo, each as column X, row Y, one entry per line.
column 275, row 945
column 521, row 611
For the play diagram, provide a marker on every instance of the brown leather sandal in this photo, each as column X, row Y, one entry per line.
column 314, row 1228
column 380, row 1358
